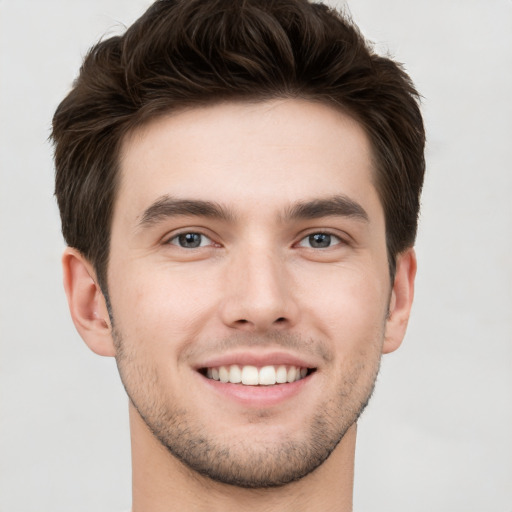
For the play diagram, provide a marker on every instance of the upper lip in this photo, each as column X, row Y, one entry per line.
column 259, row 359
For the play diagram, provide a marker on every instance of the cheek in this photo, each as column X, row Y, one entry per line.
column 354, row 319
column 350, row 307
column 161, row 306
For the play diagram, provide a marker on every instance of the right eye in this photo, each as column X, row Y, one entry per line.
column 190, row 240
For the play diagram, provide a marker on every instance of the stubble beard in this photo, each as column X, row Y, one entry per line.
column 246, row 464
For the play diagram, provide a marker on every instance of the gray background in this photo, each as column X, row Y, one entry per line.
column 437, row 435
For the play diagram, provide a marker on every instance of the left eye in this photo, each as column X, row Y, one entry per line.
column 190, row 240
column 319, row 241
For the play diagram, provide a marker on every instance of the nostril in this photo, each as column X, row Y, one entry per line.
column 244, row 323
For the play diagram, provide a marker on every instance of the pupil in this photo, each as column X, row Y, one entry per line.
column 320, row 240
column 190, row 240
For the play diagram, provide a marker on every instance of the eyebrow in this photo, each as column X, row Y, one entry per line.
column 167, row 206
column 339, row 205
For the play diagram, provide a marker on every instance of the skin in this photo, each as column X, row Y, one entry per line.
column 256, row 287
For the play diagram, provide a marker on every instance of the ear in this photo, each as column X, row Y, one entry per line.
column 86, row 303
column 401, row 300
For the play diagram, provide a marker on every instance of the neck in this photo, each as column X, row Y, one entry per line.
column 160, row 480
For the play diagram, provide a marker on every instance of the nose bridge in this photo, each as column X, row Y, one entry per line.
column 258, row 293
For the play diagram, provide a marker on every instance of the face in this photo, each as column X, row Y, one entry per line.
column 249, row 285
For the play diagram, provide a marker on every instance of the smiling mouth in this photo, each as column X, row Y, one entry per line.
column 256, row 376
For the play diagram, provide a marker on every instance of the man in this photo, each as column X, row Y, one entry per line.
column 239, row 187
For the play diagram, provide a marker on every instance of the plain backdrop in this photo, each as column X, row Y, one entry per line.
column 437, row 435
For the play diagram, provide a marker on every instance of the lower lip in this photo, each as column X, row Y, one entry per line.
column 258, row 396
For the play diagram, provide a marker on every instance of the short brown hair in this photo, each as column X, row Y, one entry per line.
column 184, row 53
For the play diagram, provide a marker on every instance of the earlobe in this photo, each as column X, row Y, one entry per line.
column 401, row 300
column 86, row 303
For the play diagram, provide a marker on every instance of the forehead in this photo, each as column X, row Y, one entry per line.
column 246, row 155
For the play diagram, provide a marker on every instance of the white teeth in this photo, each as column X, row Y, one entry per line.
column 223, row 374
column 250, row 375
column 253, row 376
column 235, row 374
column 267, row 376
column 290, row 376
column 281, row 375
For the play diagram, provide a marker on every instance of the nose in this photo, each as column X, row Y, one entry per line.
column 258, row 293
